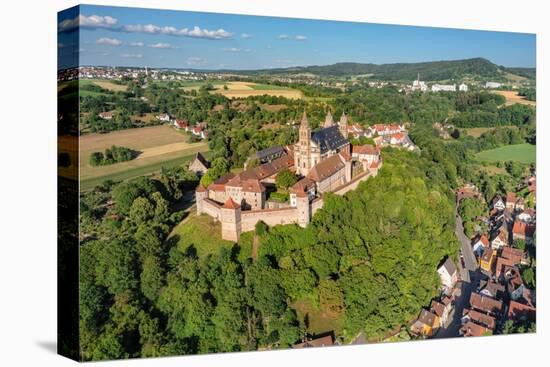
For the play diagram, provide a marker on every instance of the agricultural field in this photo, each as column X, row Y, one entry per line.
column 523, row 153
column 247, row 89
column 476, row 132
column 159, row 146
column 512, row 97
column 105, row 84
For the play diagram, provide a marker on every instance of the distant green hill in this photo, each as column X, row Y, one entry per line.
column 429, row 71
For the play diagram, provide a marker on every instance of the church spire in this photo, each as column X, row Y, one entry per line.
column 328, row 120
column 344, row 125
column 304, row 121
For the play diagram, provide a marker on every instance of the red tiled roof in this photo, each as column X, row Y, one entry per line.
column 345, row 156
column 365, row 149
column 513, row 254
column 324, row 341
column 200, row 188
column 511, row 197
column 518, row 311
column 437, row 307
column 398, row 136
column 480, row 318
column 326, row 168
column 230, row 204
column 301, row 187
column 426, row 317
column 473, row 329
column 485, row 304
column 524, row 229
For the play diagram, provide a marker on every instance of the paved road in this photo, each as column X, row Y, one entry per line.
column 470, row 261
column 461, row 301
column 469, row 282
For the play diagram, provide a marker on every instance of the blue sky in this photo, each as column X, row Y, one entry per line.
column 119, row 36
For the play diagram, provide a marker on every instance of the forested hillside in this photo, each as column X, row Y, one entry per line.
column 142, row 296
column 430, row 71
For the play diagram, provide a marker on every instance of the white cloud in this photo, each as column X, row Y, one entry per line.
column 232, row 49
column 133, row 56
column 90, row 22
column 195, row 32
column 109, row 41
column 300, row 38
column 160, row 45
column 137, row 44
column 195, row 61
column 283, row 36
column 246, row 35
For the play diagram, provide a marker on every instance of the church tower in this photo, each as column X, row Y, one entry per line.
column 328, row 120
column 344, row 125
column 302, row 152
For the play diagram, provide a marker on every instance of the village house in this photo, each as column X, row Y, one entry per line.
column 442, row 309
column 366, row 153
column 448, row 274
column 501, row 237
column 181, row 124
column 523, row 231
column 106, row 115
column 463, row 87
column 514, row 284
column 322, row 341
column 491, row 289
column 199, row 164
column 385, row 129
column 479, row 318
column 487, row 305
column 473, row 329
column 426, row 324
column 480, row 243
column 487, row 260
column 498, row 203
column 518, row 311
column 510, row 201
column 163, row 117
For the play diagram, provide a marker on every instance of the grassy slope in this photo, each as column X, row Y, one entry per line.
column 202, row 233
column 524, row 153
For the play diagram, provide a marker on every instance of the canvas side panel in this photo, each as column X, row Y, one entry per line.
column 67, row 184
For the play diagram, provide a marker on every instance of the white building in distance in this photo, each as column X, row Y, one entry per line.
column 493, row 85
column 444, row 88
column 463, row 87
column 419, row 85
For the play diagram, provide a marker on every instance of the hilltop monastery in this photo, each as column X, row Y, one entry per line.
column 323, row 160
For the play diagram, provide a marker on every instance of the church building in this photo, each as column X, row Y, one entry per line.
column 315, row 147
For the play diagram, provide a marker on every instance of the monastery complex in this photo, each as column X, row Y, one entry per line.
column 323, row 161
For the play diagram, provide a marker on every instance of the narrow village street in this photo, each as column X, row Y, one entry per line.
column 469, row 281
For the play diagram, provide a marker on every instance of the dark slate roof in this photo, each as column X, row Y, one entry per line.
column 269, row 152
column 202, row 159
column 329, row 138
column 450, row 266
